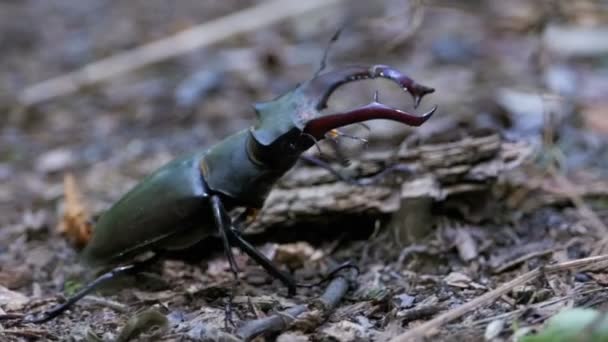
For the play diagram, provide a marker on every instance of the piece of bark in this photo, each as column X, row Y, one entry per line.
column 412, row 220
column 466, row 245
column 309, row 194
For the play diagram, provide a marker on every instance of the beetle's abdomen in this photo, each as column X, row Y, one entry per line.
column 167, row 204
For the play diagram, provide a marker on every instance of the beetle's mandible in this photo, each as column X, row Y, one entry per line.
column 187, row 200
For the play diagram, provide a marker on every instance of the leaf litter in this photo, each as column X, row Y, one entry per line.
column 492, row 218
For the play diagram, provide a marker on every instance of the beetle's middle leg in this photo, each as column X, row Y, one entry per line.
column 222, row 221
column 233, row 236
column 262, row 260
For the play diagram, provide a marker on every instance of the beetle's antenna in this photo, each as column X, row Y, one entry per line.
column 322, row 86
column 334, row 136
column 315, row 141
column 343, row 161
column 333, row 39
column 353, row 137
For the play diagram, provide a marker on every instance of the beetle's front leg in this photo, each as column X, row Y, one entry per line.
column 371, row 180
column 231, row 234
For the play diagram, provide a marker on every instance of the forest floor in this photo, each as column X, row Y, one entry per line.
column 533, row 74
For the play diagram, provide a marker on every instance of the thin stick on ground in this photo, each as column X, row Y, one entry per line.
column 321, row 308
column 250, row 19
column 116, row 306
column 511, row 314
column 431, row 326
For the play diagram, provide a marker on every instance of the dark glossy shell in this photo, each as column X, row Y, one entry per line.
column 167, row 210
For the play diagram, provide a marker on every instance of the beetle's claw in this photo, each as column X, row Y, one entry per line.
column 322, row 86
column 418, row 92
column 318, row 127
column 429, row 113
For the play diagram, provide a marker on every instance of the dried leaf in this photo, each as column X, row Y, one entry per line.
column 296, row 255
column 601, row 278
column 148, row 320
column 15, row 277
column 466, row 245
column 403, row 301
column 458, row 279
column 11, row 300
column 292, row 337
column 494, row 329
column 345, row 331
column 595, row 117
column 76, row 221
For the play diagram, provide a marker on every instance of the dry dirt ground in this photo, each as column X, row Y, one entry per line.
column 531, row 73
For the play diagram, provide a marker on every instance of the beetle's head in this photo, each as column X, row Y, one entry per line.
column 293, row 122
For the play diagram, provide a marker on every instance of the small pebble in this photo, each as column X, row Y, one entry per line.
column 582, row 277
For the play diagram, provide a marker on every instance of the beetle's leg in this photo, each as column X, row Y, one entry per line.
column 90, row 287
column 396, row 168
column 325, row 165
column 229, row 231
column 222, row 220
column 332, row 274
column 233, row 234
column 235, row 237
column 226, row 227
column 57, row 310
column 334, row 141
column 360, row 182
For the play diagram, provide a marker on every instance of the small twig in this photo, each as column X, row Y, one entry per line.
column 276, row 322
column 28, row 333
column 418, row 313
column 11, row 316
column 334, row 292
column 510, row 314
column 410, row 250
column 431, row 326
column 114, row 305
column 522, row 259
column 250, row 19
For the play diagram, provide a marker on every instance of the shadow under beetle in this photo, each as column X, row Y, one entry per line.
column 188, row 199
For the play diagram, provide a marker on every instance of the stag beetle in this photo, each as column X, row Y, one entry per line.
column 188, row 199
